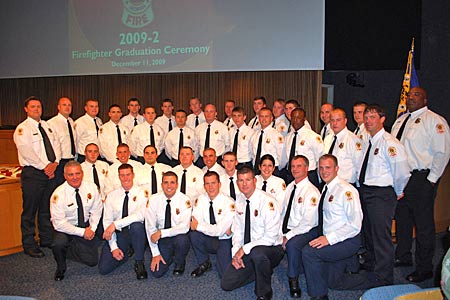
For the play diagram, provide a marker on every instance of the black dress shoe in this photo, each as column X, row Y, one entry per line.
column 204, row 267
column 59, row 275
column 294, row 288
column 139, row 268
column 267, row 296
column 34, row 252
column 419, row 276
column 178, row 270
column 400, row 263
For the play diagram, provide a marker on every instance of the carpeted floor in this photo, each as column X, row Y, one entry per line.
column 26, row 276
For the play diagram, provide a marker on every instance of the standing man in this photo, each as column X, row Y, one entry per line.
column 299, row 227
column 112, row 134
column 133, row 118
column 383, row 176
column 358, row 116
column 343, row 144
column 152, row 171
column 197, row 117
column 167, row 220
column 212, row 216
column 87, row 127
column 229, row 179
column 189, row 176
column 328, row 256
column 166, row 121
column 229, row 106
column 240, row 138
column 123, row 221
column 94, row 170
column 63, row 127
column 37, row 147
column 76, row 209
column 280, row 122
column 325, row 113
column 210, row 160
column 426, row 138
column 147, row 133
column 180, row 136
column 212, row 134
column 258, row 103
column 256, row 238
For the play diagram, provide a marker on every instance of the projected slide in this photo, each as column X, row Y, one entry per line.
column 140, row 36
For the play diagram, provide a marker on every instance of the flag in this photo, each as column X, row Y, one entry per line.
column 410, row 80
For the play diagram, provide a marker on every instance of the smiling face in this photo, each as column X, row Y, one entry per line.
column 338, row 121
column 247, row 184
column 123, row 154
column 115, row 113
column 325, row 112
column 229, row 162
column 34, row 110
column 169, row 185
column 278, row 109
column 91, row 108
column 209, row 158
column 65, row 107
column 417, row 98
column 150, row 115
column 212, row 186
column 327, row 169
column 266, row 168
column 258, row 104
column 210, row 113
column 299, row 169
column 186, row 157
column 126, row 177
column 73, row 175
column 373, row 122
column 195, row 106
column 265, row 118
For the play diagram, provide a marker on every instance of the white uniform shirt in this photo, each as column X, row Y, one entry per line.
column 216, row 168
column 172, row 141
column 308, row 144
column 137, row 201
column 30, row 144
column 194, row 180
column 224, row 210
column 86, row 132
column 254, row 123
column 112, row 180
column 304, row 210
column 190, row 121
column 163, row 122
column 265, row 222
column 362, row 133
column 427, row 142
column 140, row 138
column 244, row 150
column 229, row 122
column 219, row 138
column 282, row 125
column 128, row 121
column 387, row 164
column 275, row 186
column 109, row 140
column 64, row 208
column 225, row 184
column 88, row 173
column 59, row 125
column 342, row 213
column 348, row 151
column 144, row 176
column 328, row 130
column 180, row 213
column 272, row 143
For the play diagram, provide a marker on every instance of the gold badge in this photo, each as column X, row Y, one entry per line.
column 188, row 137
column 392, row 151
column 194, row 179
column 146, row 193
column 300, row 200
column 216, row 132
column 20, row 131
column 177, row 211
column 302, row 142
column 134, row 198
column 243, row 137
column 272, row 191
column 103, row 171
column 361, row 136
column 358, row 146
column 280, row 139
column 50, row 130
column 376, row 151
column 341, row 145
column 188, row 204
column 440, row 128
column 131, row 132
column 232, row 207
column 89, row 196
column 101, row 130
column 268, row 141
column 349, row 195
column 282, row 128
column 283, row 186
column 331, row 198
column 124, row 132
column 314, row 201
column 195, row 202
column 220, row 211
column 55, row 198
column 417, row 121
column 232, row 125
column 271, row 207
column 319, row 139
column 256, row 212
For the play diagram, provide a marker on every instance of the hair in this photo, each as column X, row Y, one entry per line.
column 230, row 153
column 210, row 149
column 151, row 146
column 292, row 101
column 329, row 156
column 246, row 170
column 304, row 158
column 123, row 145
column 149, row 106
column 182, row 111
column 133, row 99
column 209, row 103
column 71, row 163
column 167, row 100
column 360, row 103
column 260, row 97
column 298, row 109
column 264, row 109
column 192, row 98
column 338, row 109
column 375, row 108
column 280, row 100
column 31, row 98
column 230, row 101
column 239, row 109
column 125, row 166
column 114, row 105
column 64, row 97
column 266, row 157
column 89, row 100
column 91, row 144
column 211, row 174
column 187, row 147
column 169, row 174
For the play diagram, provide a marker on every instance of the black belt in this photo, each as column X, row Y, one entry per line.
column 422, row 171
column 375, row 186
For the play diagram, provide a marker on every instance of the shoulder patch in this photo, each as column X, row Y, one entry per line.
column 302, row 142
column 232, row 207
column 188, row 203
column 134, row 199
column 100, row 130
column 314, row 201
column 146, row 193
column 89, row 196
column 349, row 195
column 20, row 131
column 417, row 121
column 358, row 146
column 280, row 139
column 271, row 207
column 440, row 128
column 55, row 198
column 283, row 186
column 392, row 151
column 319, row 139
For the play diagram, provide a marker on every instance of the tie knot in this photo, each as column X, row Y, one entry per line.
column 237, row 130
column 151, row 126
column 294, row 187
column 135, row 119
column 153, row 167
column 196, row 117
column 184, row 171
column 295, row 132
column 248, row 201
column 209, row 125
column 265, row 181
column 170, row 120
column 93, row 166
column 231, row 178
column 168, row 201
column 126, row 193
column 262, row 131
column 117, row 126
column 76, row 190
column 181, row 129
column 210, row 203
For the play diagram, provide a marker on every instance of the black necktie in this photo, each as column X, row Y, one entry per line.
column 232, row 190
column 170, row 124
column 247, row 223
column 80, row 210
column 324, row 133
column 264, row 187
column 235, row 142
column 125, row 205
column 330, row 151
column 254, row 122
column 196, row 121
column 135, row 122
column 322, row 199
column 402, row 128
column 180, row 141
column 119, row 136
column 183, row 182
column 258, row 152
column 154, row 183
column 72, row 140
column 167, row 216
column 293, row 145
column 228, row 122
column 208, row 132
column 357, row 130
column 47, row 145
column 288, row 211
column 152, row 136
column 273, row 124
column 212, row 218
column 362, row 174
column 95, row 175
column 96, row 126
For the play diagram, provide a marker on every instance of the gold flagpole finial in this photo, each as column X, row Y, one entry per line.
column 412, row 45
